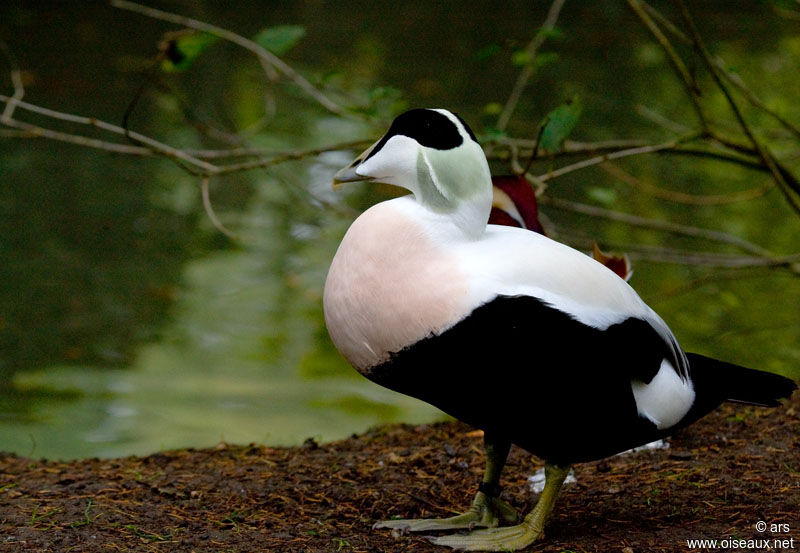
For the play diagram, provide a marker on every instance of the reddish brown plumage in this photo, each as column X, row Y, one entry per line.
column 521, row 193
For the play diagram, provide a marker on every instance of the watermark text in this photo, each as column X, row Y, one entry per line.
column 775, row 542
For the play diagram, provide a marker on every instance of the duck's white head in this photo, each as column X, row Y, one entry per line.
column 433, row 154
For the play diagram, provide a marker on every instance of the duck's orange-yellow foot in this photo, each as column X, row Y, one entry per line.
column 511, row 538
column 485, row 512
column 516, row 537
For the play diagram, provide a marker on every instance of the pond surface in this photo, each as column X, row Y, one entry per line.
column 129, row 324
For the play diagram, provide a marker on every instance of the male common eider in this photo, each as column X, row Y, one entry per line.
column 535, row 343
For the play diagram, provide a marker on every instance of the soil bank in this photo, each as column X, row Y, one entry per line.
column 717, row 480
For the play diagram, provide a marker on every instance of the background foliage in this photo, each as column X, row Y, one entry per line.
column 165, row 232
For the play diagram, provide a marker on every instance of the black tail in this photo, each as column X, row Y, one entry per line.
column 717, row 381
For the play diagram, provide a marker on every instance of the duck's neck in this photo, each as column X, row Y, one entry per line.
column 465, row 222
column 472, row 216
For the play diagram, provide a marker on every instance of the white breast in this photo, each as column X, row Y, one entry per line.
column 390, row 285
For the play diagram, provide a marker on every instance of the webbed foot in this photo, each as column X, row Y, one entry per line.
column 485, row 512
column 510, row 538
column 516, row 537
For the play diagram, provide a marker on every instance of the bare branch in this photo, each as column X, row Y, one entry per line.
column 651, row 148
column 260, row 152
column 210, row 211
column 664, row 122
column 32, row 131
column 16, row 82
column 706, row 142
column 689, row 84
column 261, row 53
column 286, row 156
column 659, row 225
column 792, row 193
column 731, row 77
column 570, row 147
column 516, row 147
column 792, row 15
column 710, row 259
column 528, row 69
column 13, row 133
column 152, row 147
column 662, row 254
column 156, row 146
column 682, row 197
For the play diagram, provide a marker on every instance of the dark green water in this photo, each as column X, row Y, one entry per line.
column 128, row 324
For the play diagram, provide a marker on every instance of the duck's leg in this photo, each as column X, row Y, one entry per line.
column 487, row 508
column 516, row 537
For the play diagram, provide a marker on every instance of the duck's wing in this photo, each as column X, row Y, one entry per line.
column 581, row 297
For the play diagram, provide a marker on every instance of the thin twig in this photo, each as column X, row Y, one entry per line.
column 16, row 82
column 579, row 148
column 711, row 259
column 506, row 148
column 528, row 69
column 681, row 197
column 228, row 153
column 730, row 76
column 201, row 166
column 284, row 157
column 263, row 153
column 713, row 278
column 651, row 148
column 791, row 15
column 572, row 147
column 791, row 193
column 210, row 211
column 13, row 133
column 32, row 131
column 744, row 161
column 193, row 157
column 662, row 254
column 262, row 53
column 655, row 117
column 688, row 81
column 659, row 225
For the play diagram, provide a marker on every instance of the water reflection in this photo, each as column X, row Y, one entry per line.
column 129, row 324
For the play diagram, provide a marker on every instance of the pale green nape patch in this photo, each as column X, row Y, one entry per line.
column 429, row 192
column 447, row 178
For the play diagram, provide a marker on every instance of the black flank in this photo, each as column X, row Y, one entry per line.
column 528, row 372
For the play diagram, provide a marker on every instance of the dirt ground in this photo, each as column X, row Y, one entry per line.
column 717, row 480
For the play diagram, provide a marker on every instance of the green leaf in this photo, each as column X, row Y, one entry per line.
column 183, row 50
column 545, row 58
column 493, row 108
column 521, row 57
column 553, row 33
column 605, row 196
column 491, row 133
column 557, row 124
column 281, row 38
column 487, row 52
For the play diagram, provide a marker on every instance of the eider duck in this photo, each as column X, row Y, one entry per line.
column 535, row 343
